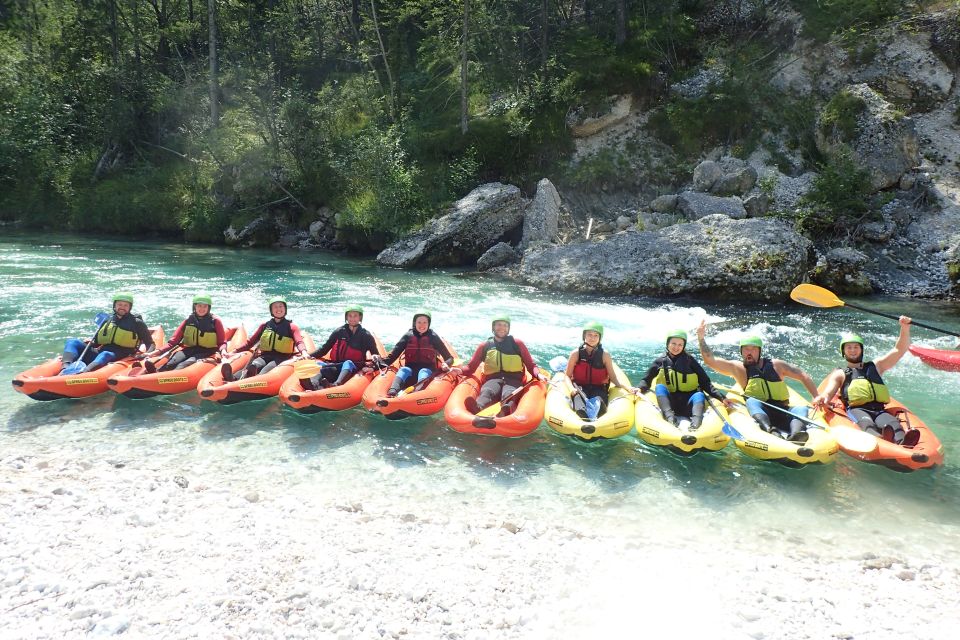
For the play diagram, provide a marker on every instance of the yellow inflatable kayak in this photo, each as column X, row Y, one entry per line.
column 615, row 422
column 819, row 448
column 653, row 429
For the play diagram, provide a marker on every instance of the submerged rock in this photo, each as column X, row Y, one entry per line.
column 473, row 224
column 715, row 257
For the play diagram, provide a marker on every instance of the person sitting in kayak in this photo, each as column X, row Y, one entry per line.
column 591, row 369
column 762, row 379
column 201, row 335
column 863, row 391
column 420, row 347
column 119, row 337
column 276, row 340
column 348, row 346
column 680, row 381
column 504, row 360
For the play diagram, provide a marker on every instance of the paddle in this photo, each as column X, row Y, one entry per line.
column 78, row 365
column 494, row 409
column 814, row 296
column 728, row 428
column 858, row 441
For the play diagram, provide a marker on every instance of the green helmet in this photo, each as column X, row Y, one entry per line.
column 353, row 307
column 123, row 296
column 751, row 341
column 593, row 325
column 501, row 318
column 425, row 313
column 277, row 299
column 203, row 299
column 850, row 337
column 678, row 333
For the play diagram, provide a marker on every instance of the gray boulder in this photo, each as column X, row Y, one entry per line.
column 664, row 204
column 757, row 205
column 624, row 223
column 736, row 183
column 706, row 174
column 541, row 221
column 843, row 270
column 471, row 226
column 885, row 143
column 761, row 259
column 908, row 72
column 497, row 255
column 696, row 205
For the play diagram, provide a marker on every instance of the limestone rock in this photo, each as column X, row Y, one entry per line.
column 842, row 270
column 664, row 204
column 541, row 221
column 908, row 72
column 736, row 183
column 757, row 205
column 706, row 174
column 695, row 205
column 472, row 225
column 615, row 110
column 886, row 141
column 713, row 257
column 497, row 255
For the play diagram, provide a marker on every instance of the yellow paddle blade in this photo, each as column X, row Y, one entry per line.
column 490, row 411
column 306, row 368
column 854, row 440
column 814, row 296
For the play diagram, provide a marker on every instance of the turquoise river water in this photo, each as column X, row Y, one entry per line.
column 53, row 286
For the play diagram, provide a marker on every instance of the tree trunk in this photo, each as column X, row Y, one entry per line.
column 621, row 34
column 464, row 106
column 214, row 81
column 386, row 63
column 544, row 32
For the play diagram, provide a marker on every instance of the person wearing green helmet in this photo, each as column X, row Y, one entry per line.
column 346, row 350
column 200, row 336
column 762, row 381
column 423, row 351
column 504, row 360
column 591, row 370
column 679, row 382
column 278, row 339
column 118, row 337
column 862, row 390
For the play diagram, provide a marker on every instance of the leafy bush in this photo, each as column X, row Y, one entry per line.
column 839, row 116
column 839, row 200
column 825, row 18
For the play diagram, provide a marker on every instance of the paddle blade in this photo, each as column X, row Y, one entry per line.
column 73, row 369
column 490, row 411
column 814, row 296
column 101, row 318
column 854, row 440
column 306, row 368
column 731, row 431
column 558, row 364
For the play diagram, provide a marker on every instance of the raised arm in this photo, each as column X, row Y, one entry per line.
column 894, row 355
column 728, row 367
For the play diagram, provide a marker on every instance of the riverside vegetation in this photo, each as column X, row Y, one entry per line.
column 362, row 120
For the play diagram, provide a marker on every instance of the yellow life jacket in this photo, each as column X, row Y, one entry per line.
column 502, row 357
column 863, row 386
column 764, row 383
column 676, row 374
column 277, row 337
column 112, row 334
column 200, row 332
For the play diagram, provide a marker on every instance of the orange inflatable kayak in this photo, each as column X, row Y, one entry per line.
column 336, row 398
column 265, row 385
column 137, row 384
column 926, row 453
column 524, row 420
column 43, row 383
column 424, row 401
